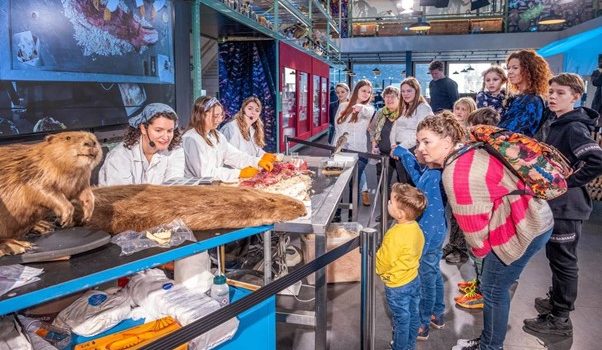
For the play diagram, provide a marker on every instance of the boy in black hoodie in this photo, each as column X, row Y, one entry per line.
column 570, row 132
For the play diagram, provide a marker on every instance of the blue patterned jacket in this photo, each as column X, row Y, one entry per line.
column 523, row 114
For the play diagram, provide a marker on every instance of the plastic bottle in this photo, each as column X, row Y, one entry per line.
column 220, row 290
column 58, row 337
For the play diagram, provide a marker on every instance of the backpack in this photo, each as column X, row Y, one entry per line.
column 541, row 167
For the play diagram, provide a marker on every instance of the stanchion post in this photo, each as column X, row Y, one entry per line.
column 384, row 215
column 368, row 254
column 286, row 147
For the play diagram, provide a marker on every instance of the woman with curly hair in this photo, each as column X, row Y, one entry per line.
column 528, row 75
column 150, row 152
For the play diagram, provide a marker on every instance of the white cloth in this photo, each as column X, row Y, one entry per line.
column 15, row 276
column 404, row 129
column 203, row 160
column 11, row 336
column 94, row 312
column 358, row 131
column 130, row 167
column 232, row 132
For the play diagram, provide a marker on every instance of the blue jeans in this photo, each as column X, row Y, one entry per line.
column 496, row 280
column 403, row 303
column 431, row 298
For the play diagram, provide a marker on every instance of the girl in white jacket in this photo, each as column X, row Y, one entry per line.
column 353, row 117
column 245, row 131
column 150, row 152
column 209, row 154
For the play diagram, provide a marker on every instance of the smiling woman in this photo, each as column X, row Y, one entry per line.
column 245, row 131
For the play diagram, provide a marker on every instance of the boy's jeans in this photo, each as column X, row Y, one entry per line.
column 431, row 298
column 495, row 287
column 403, row 303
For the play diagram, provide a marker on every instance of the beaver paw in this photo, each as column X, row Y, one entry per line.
column 66, row 219
column 13, row 247
column 43, row 227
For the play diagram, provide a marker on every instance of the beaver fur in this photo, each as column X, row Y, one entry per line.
column 140, row 207
column 45, row 178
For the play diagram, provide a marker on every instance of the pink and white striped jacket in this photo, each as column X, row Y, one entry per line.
column 477, row 187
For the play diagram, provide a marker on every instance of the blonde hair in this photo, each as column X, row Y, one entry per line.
column 469, row 102
column 408, row 199
column 571, row 80
column 408, row 109
column 444, row 124
column 391, row 90
column 344, row 86
column 257, row 125
column 353, row 101
column 200, row 112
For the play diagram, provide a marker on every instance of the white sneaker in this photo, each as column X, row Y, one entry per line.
column 467, row 344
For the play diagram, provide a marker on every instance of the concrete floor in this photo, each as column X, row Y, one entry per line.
column 344, row 303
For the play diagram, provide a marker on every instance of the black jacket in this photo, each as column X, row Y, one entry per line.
column 571, row 135
column 597, row 82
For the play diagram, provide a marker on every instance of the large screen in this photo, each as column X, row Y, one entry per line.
column 127, row 41
column 80, row 64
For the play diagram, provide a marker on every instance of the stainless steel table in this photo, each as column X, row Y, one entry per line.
column 327, row 192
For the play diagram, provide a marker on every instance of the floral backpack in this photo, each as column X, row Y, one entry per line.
column 541, row 167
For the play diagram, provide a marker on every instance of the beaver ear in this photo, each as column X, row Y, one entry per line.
column 49, row 138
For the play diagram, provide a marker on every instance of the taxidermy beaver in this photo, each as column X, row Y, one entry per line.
column 49, row 177
column 140, row 207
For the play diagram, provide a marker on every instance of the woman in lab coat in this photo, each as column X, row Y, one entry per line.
column 208, row 152
column 245, row 131
column 150, row 152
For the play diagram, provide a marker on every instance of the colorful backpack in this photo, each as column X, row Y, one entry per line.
column 541, row 167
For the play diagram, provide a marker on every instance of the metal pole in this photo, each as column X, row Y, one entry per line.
column 368, row 252
column 267, row 257
column 197, row 68
column 385, row 194
column 286, row 146
column 355, row 192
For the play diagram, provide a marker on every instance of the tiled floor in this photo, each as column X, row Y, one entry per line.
column 344, row 304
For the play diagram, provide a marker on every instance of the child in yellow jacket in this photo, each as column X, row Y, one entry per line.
column 397, row 263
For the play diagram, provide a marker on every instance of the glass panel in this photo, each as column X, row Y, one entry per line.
column 388, row 74
column 324, row 101
column 470, row 81
column 421, row 71
column 289, row 102
column 303, row 103
column 316, row 101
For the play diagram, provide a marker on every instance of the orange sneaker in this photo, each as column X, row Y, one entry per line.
column 463, row 286
column 471, row 300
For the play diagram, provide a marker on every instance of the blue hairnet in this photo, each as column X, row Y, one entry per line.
column 149, row 112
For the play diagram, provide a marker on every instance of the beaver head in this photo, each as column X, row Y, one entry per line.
column 74, row 149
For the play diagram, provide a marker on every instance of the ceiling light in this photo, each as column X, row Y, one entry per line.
column 455, row 72
column 351, row 74
column 469, row 68
column 551, row 19
column 464, row 70
column 376, row 71
column 421, row 25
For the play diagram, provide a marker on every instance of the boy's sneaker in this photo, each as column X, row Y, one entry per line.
column 437, row 322
column 543, row 305
column 465, row 286
column 423, row 332
column 550, row 324
column 471, row 300
column 467, row 344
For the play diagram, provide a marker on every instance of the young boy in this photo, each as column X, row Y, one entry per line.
column 570, row 133
column 397, row 262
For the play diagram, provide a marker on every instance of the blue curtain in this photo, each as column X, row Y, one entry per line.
column 246, row 69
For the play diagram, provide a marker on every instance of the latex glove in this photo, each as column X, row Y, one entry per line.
column 270, row 157
column 265, row 164
column 248, row 172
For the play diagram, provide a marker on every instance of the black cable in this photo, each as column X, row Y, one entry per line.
column 332, row 148
column 205, row 324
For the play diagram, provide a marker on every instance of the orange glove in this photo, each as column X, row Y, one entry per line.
column 267, row 165
column 248, row 172
column 270, row 157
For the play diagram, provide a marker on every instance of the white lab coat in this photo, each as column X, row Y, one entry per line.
column 358, row 131
column 130, row 167
column 203, row 160
column 404, row 129
column 232, row 132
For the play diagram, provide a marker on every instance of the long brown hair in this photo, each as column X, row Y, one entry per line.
column 257, row 125
column 200, row 112
column 132, row 135
column 535, row 71
column 353, row 101
column 408, row 109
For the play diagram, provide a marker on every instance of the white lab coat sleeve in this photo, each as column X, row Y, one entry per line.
column 117, row 168
column 231, row 133
column 236, row 158
column 175, row 165
column 200, row 164
column 192, row 157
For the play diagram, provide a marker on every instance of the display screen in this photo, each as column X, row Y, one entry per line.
column 79, row 64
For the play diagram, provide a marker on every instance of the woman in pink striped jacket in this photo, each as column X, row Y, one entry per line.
column 505, row 230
